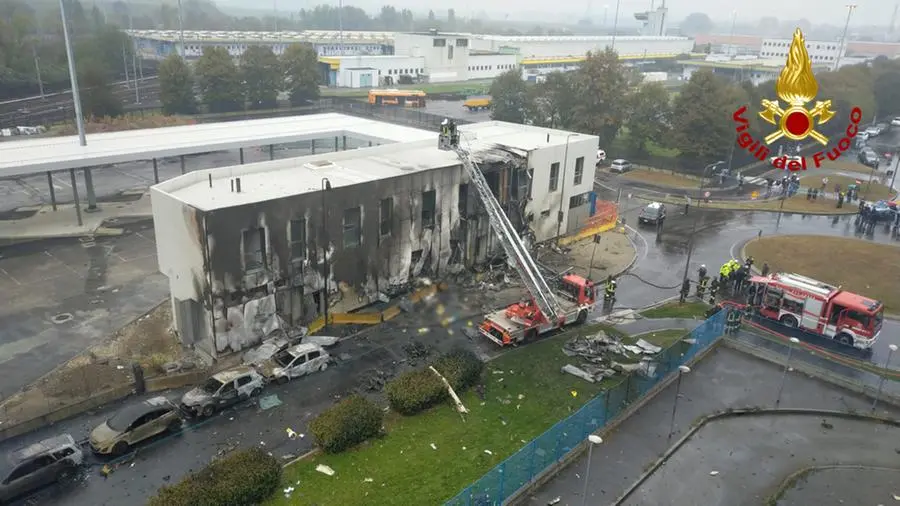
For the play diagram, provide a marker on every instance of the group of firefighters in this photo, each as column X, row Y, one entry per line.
column 733, row 277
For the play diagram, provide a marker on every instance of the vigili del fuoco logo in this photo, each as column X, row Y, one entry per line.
column 797, row 88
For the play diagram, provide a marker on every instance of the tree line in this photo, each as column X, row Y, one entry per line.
column 608, row 99
column 254, row 81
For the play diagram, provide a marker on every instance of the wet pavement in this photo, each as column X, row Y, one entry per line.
column 725, row 379
column 844, row 485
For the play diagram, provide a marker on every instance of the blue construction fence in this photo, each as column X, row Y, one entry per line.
column 520, row 469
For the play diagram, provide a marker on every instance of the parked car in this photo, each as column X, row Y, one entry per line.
column 868, row 157
column 40, row 464
column 223, row 389
column 257, row 356
column 135, row 423
column 872, row 131
column 294, row 362
column 620, row 165
column 652, row 213
column 895, row 121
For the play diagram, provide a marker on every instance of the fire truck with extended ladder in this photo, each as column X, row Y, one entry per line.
column 544, row 311
column 819, row 308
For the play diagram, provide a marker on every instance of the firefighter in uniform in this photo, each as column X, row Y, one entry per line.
column 701, row 287
column 685, row 290
column 610, row 294
column 713, row 290
column 725, row 274
column 732, row 320
column 701, row 272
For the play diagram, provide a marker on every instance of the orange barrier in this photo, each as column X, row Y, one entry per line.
column 605, row 217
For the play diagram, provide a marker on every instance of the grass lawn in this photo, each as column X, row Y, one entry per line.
column 525, row 395
column 863, row 267
column 469, row 87
column 663, row 178
column 675, row 309
column 867, row 191
column 795, row 204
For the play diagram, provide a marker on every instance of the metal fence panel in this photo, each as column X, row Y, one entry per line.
column 522, row 467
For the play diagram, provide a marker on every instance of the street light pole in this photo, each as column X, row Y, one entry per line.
column 326, row 186
column 562, row 196
column 593, row 439
column 787, row 363
column 687, row 264
column 837, row 61
column 682, row 370
column 134, row 72
column 181, row 30
column 73, row 77
column 615, row 25
column 887, row 365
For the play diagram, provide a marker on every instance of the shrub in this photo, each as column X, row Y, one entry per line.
column 242, row 477
column 346, row 424
column 415, row 391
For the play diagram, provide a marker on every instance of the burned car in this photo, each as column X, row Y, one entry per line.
column 222, row 390
column 282, row 341
column 43, row 463
column 294, row 362
column 135, row 423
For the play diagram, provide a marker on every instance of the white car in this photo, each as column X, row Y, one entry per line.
column 620, row 165
column 895, row 121
column 872, row 131
column 294, row 362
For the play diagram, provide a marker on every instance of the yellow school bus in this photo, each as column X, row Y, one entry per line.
column 405, row 98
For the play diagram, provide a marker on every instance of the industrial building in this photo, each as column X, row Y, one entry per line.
column 243, row 244
column 751, row 44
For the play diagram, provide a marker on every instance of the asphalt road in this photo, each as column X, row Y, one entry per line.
column 726, row 379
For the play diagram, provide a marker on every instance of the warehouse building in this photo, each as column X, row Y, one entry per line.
column 243, row 244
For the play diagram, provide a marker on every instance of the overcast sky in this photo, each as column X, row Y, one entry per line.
column 832, row 12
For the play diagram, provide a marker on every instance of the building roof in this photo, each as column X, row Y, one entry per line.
column 293, row 176
column 575, row 38
column 311, row 36
column 774, row 65
column 33, row 156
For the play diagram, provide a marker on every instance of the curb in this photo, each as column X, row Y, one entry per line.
column 761, row 210
column 796, row 476
column 703, row 421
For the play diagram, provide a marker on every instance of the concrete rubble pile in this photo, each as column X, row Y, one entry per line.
column 599, row 352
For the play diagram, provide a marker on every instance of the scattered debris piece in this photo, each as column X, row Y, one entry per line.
column 433, row 447
column 459, row 405
column 368, row 480
column 291, row 434
column 322, row 468
column 269, row 402
column 489, row 452
column 648, row 348
column 554, row 501
column 323, row 341
column 575, row 371
column 714, row 473
column 826, row 425
column 405, row 305
column 574, row 393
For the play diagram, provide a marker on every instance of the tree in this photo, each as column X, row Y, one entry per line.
column 696, row 23
column 451, row 19
column 220, row 83
column 601, row 84
column 850, row 86
column 176, row 86
column 509, row 97
column 552, row 102
column 262, row 77
column 887, row 93
column 702, row 125
column 300, row 65
column 649, row 117
column 97, row 98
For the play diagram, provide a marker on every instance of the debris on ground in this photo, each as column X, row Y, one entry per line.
column 415, row 351
column 601, row 349
column 323, row 341
column 322, row 468
column 269, row 402
column 373, row 381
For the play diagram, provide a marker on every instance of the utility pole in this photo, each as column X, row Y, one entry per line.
column 137, row 93
column 37, row 69
column 731, row 38
column 73, row 77
column 341, row 23
column 181, row 29
column 615, row 25
column 837, row 61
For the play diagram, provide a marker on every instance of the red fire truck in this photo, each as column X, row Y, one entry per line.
column 817, row 307
column 525, row 320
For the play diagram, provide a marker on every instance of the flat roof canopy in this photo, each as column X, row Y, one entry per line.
column 34, row 156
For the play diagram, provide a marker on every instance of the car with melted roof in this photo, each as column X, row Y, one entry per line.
column 38, row 465
column 134, row 423
column 294, row 362
column 222, row 390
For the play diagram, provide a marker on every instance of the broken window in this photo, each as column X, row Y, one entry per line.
column 352, row 227
column 579, row 169
column 297, row 237
column 449, row 52
column 387, row 216
column 463, row 207
column 554, row 176
column 428, row 204
column 545, row 213
column 577, row 200
column 254, row 249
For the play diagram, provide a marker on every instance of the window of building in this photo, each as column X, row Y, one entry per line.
column 428, row 205
column 297, row 237
column 579, row 169
column 577, row 200
column 449, row 52
column 462, row 42
column 387, row 216
column 554, row 176
column 352, row 227
column 254, row 244
column 545, row 213
column 439, row 42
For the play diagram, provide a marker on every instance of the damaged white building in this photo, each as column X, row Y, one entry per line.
column 244, row 244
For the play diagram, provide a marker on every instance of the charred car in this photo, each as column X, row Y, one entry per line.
column 43, row 463
column 222, row 390
column 294, row 362
column 134, row 423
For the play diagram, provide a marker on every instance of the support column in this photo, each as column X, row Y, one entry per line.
column 182, row 163
column 344, row 143
column 52, row 190
column 89, row 189
column 241, row 152
column 271, row 151
column 335, row 144
column 155, row 172
column 312, row 147
column 75, row 194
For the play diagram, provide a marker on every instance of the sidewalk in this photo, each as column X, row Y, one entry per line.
column 44, row 222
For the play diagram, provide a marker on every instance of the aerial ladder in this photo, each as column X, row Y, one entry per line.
column 518, row 321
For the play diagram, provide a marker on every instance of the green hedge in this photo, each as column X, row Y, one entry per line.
column 415, row 391
column 346, row 424
column 243, row 477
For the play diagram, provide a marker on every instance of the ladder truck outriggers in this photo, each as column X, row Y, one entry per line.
column 544, row 311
